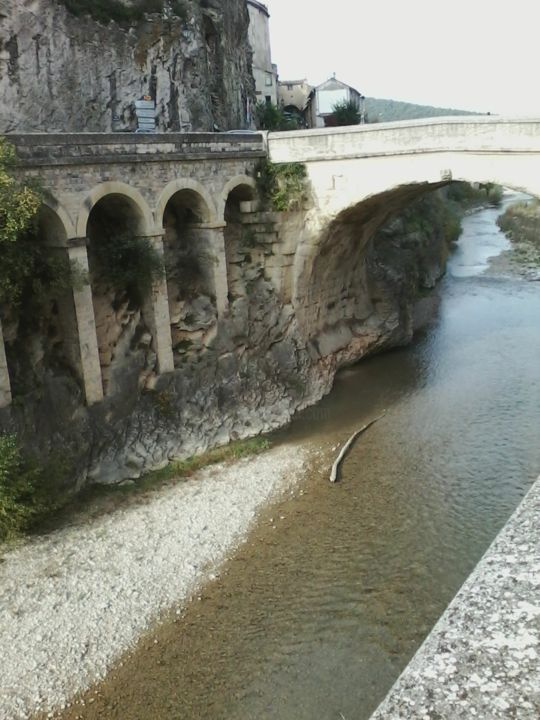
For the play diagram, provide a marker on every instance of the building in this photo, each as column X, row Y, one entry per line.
column 323, row 98
column 293, row 97
column 264, row 71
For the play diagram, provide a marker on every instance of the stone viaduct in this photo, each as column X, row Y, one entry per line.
column 136, row 178
column 165, row 186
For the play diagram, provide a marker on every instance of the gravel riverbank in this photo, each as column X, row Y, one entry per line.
column 72, row 602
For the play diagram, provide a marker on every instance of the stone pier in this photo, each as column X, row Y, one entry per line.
column 5, row 386
column 156, row 311
column 210, row 236
column 86, row 324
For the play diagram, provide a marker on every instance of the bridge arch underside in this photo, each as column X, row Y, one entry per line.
column 39, row 328
column 190, row 261
column 339, row 184
column 114, row 226
column 340, row 302
column 237, row 256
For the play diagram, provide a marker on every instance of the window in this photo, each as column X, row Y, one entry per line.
column 268, row 80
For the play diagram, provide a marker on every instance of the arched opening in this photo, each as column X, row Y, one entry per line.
column 190, row 263
column 123, row 266
column 294, row 113
column 364, row 268
column 239, row 240
column 36, row 306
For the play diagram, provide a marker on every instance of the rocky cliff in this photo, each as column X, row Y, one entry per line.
column 61, row 72
column 247, row 373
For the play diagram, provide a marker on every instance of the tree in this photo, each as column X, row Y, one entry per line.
column 345, row 112
column 270, row 117
column 18, row 202
column 29, row 274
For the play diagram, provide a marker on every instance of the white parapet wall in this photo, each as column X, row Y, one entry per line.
column 482, row 659
column 346, row 165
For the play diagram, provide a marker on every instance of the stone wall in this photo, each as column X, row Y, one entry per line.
column 481, row 658
column 240, row 370
column 61, row 73
column 255, row 314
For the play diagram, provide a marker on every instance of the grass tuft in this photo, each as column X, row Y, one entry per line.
column 97, row 500
column 184, row 468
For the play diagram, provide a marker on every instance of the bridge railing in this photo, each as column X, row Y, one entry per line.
column 448, row 134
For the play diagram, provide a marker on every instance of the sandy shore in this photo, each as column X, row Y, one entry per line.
column 72, row 602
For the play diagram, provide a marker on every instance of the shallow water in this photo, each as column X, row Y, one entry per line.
column 318, row 613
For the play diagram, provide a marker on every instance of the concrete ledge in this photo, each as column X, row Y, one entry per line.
column 41, row 149
column 123, row 159
column 446, row 120
column 127, row 138
column 482, row 659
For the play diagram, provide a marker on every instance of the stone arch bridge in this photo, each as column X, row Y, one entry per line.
column 168, row 186
column 359, row 175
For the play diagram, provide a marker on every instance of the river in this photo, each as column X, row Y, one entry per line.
column 320, row 610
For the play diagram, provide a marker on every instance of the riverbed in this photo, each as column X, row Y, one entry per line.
column 319, row 611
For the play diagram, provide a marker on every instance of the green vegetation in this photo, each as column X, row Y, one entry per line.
column 19, row 203
column 411, row 239
column 130, row 264
column 270, row 117
column 345, row 112
column 281, row 187
column 28, row 492
column 523, row 218
column 184, row 468
column 521, row 223
column 467, row 195
column 30, row 274
column 431, row 214
column 31, row 499
column 380, row 110
column 106, row 11
column 443, row 210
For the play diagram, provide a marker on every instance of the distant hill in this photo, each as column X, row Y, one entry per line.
column 379, row 110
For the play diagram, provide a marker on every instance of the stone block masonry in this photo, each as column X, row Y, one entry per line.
column 210, row 354
column 80, row 170
column 482, row 659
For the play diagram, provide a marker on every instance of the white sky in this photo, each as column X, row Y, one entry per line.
column 481, row 55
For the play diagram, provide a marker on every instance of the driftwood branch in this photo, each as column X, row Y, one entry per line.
column 345, row 449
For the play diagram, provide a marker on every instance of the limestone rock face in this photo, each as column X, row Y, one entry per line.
column 235, row 375
column 61, row 73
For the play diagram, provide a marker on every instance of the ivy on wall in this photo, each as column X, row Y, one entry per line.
column 30, row 274
column 130, row 264
column 18, row 202
column 281, row 187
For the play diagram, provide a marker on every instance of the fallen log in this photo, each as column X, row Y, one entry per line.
column 345, row 449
